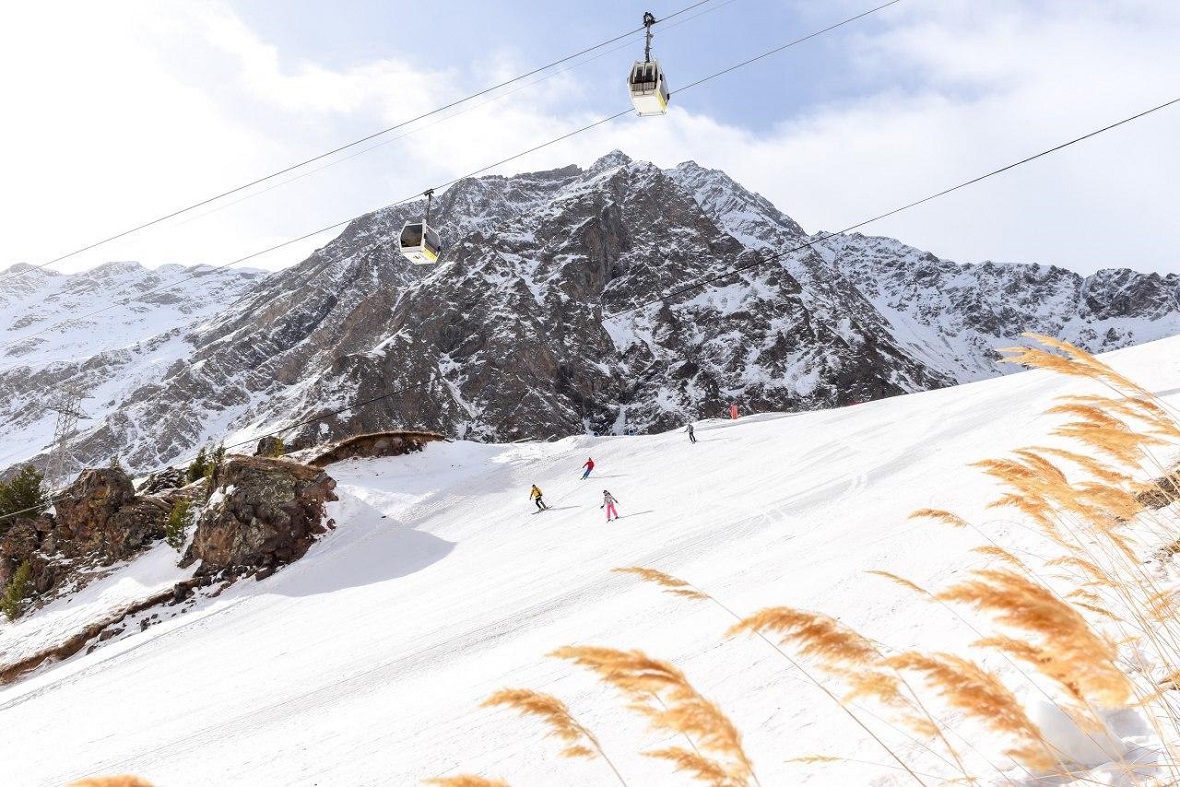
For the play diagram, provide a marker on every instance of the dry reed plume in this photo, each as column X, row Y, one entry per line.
column 848, row 656
column 677, row 587
column 937, row 514
column 814, row 635
column 557, row 716
column 1075, row 656
column 466, row 780
column 663, row 694
column 969, row 688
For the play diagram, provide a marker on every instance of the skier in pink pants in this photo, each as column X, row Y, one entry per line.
column 608, row 502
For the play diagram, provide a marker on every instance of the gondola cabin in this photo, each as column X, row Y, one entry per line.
column 649, row 89
column 420, row 243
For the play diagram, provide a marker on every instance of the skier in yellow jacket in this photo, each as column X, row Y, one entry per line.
column 536, row 493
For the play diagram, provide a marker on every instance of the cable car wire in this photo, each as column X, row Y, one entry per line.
column 346, row 146
column 444, row 119
column 760, row 259
column 213, row 269
column 778, row 49
column 709, row 280
column 416, row 195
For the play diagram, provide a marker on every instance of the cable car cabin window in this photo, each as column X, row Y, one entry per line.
column 432, row 241
column 412, row 235
column 644, row 77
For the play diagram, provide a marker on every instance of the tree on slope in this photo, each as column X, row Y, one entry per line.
column 22, row 494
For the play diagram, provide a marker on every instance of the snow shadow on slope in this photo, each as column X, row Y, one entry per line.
column 389, row 556
column 372, row 550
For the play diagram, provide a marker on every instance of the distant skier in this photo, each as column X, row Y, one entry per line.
column 691, row 437
column 536, row 493
column 608, row 502
column 589, row 466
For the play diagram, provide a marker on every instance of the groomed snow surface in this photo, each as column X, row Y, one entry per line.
column 365, row 662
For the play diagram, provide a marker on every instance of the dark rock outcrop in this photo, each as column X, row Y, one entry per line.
column 164, row 480
column 270, row 446
column 99, row 520
column 375, row 445
column 99, row 515
column 264, row 513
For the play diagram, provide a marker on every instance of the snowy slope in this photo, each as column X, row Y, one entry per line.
column 107, row 331
column 364, row 663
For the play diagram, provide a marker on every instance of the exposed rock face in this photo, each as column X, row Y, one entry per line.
column 265, row 513
column 99, row 514
column 560, row 308
column 375, row 445
column 269, row 446
column 49, row 340
column 22, row 541
column 99, row 520
column 162, row 481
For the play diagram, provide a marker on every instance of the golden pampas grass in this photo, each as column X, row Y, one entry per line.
column 124, row 780
column 677, row 587
column 905, row 583
column 1095, row 575
column 699, row 767
column 556, row 715
column 465, row 780
column 681, row 709
column 969, row 688
column 1075, row 362
column 939, row 515
column 1074, row 655
column 813, row 634
column 1001, row 554
column 1092, row 467
column 550, row 710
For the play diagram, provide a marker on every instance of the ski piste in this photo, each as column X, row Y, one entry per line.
column 404, row 625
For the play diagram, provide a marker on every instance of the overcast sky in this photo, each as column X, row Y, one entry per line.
column 118, row 112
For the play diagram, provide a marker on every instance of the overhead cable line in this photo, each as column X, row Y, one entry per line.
column 445, row 118
column 738, row 269
column 347, row 145
column 213, row 269
column 337, row 225
column 760, row 259
column 787, row 45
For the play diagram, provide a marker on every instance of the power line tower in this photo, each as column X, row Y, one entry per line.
column 61, row 460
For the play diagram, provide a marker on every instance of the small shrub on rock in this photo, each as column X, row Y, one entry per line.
column 18, row 588
column 175, row 530
column 22, row 494
column 199, row 467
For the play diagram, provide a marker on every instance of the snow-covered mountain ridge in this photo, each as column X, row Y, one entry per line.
column 547, row 319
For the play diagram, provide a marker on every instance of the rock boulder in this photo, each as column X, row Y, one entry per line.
column 100, row 515
column 263, row 513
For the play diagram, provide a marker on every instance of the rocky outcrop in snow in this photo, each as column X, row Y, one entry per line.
column 264, row 513
column 97, row 521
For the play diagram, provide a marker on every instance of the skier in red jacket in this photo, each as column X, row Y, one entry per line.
column 589, row 466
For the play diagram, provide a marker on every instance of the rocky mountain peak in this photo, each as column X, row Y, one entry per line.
column 616, row 158
column 559, row 307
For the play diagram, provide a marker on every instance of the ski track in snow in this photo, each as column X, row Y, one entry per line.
column 365, row 662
